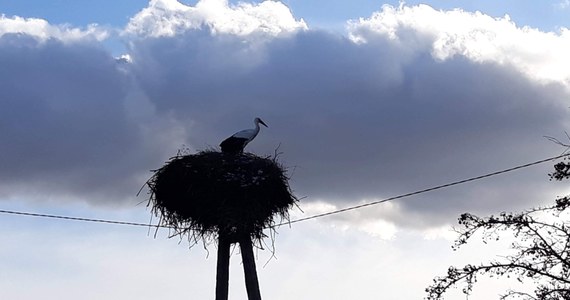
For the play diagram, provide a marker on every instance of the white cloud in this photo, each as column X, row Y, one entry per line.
column 373, row 221
column 564, row 4
column 479, row 37
column 443, row 232
column 42, row 30
column 170, row 17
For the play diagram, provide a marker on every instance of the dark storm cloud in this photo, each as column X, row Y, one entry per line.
column 63, row 122
column 361, row 121
column 355, row 121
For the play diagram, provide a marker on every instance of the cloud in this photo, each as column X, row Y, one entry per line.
column 372, row 115
column 69, row 128
column 170, row 17
column 410, row 98
column 77, row 257
column 476, row 36
column 42, row 30
column 564, row 4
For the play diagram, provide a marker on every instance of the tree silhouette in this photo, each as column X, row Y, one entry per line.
column 231, row 198
column 542, row 250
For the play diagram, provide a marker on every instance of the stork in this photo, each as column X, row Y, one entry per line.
column 235, row 143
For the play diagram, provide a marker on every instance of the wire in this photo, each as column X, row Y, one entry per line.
column 309, row 217
column 423, row 191
column 79, row 219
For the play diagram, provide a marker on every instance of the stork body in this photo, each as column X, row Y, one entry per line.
column 235, row 143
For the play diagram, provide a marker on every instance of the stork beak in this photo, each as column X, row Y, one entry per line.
column 260, row 121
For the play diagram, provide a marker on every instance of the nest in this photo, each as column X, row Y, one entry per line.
column 211, row 193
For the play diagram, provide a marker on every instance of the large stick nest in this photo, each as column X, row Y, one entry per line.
column 211, row 193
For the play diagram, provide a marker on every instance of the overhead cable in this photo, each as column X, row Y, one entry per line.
column 333, row 212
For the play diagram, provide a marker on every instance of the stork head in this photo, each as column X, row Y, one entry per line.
column 259, row 121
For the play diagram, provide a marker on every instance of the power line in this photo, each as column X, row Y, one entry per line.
column 424, row 190
column 305, row 218
column 19, row 213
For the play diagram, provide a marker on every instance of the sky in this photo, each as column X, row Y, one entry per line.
column 365, row 99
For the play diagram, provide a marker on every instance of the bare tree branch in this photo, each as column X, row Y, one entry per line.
column 542, row 253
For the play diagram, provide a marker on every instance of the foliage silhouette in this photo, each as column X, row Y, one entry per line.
column 542, row 250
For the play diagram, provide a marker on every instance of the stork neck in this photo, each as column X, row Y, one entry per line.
column 255, row 131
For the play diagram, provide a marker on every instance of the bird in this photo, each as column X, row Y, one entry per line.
column 235, row 143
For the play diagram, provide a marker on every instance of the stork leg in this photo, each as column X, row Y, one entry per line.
column 251, row 282
column 223, row 267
